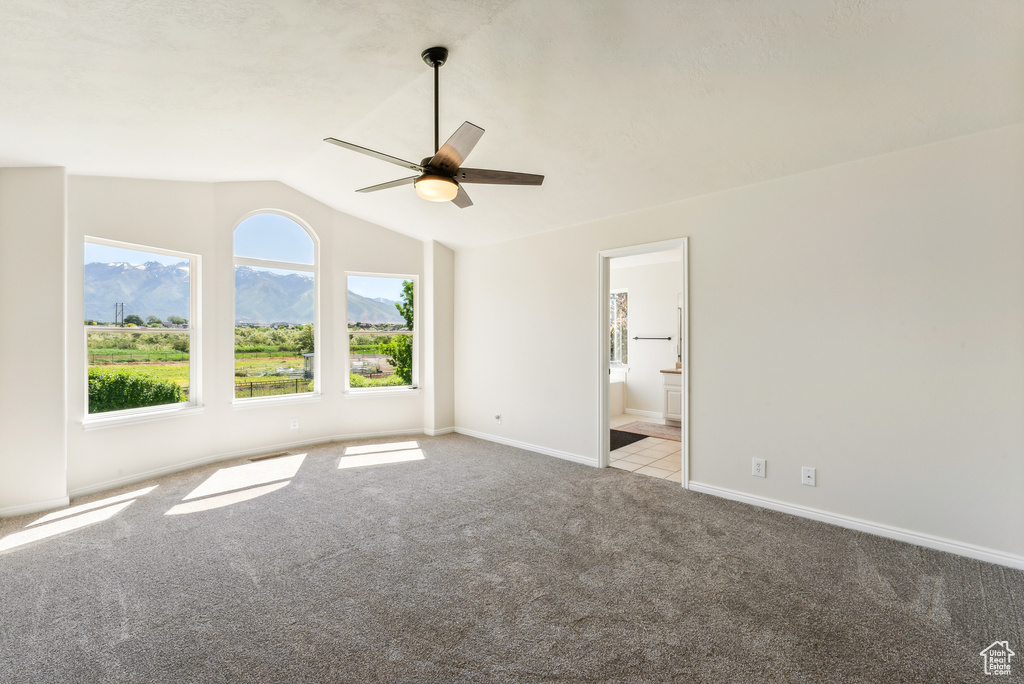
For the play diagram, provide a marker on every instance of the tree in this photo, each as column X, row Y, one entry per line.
column 134, row 319
column 305, row 338
column 177, row 320
column 399, row 349
column 405, row 305
column 153, row 322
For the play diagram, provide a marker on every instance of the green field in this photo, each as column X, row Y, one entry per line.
column 244, row 369
column 176, row 372
column 99, row 357
column 261, row 355
column 356, row 380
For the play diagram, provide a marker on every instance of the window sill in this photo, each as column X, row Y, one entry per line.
column 380, row 391
column 258, row 402
column 95, row 422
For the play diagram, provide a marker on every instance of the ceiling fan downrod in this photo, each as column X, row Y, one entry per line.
column 435, row 57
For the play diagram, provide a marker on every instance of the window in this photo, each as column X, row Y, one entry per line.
column 618, row 313
column 275, row 308
column 381, row 325
column 139, row 327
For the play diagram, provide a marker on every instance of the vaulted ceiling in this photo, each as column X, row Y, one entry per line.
column 622, row 104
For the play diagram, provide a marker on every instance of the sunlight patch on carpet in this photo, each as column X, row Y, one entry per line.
column 379, row 448
column 222, row 500
column 248, row 475
column 75, row 510
column 64, row 525
column 380, row 454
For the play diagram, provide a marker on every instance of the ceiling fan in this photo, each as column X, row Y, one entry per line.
column 440, row 176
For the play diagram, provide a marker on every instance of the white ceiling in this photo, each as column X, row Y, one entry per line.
column 622, row 104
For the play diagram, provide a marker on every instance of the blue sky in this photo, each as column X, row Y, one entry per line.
column 272, row 236
column 106, row 255
column 374, row 287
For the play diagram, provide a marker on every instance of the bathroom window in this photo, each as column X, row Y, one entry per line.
column 618, row 311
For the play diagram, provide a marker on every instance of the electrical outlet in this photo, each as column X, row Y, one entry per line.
column 497, row 418
column 757, row 467
column 295, row 424
column 807, row 476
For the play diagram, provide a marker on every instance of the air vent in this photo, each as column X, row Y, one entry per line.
column 279, row 454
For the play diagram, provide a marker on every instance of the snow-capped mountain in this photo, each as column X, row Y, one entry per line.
column 261, row 296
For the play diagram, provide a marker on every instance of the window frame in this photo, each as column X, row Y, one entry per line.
column 195, row 389
column 256, row 262
column 414, row 385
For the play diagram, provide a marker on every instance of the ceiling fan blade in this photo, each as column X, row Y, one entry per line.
column 375, row 154
column 462, row 199
column 455, row 150
column 389, row 184
column 498, row 177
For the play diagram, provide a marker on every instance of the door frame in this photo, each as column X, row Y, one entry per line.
column 604, row 258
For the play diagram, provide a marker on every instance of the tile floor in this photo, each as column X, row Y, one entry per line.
column 650, row 456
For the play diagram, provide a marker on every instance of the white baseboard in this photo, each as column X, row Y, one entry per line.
column 920, row 539
column 439, row 431
column 575, row 458
column 34, row 507
column 658, row 415
column 178, row 467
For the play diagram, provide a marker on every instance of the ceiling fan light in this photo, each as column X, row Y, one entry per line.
column 435, row 188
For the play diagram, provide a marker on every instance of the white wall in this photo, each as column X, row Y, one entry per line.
column 654, row 291
column 437, row 323
column 46, row 450
column 865, row 319
column 199, row 218
column 32, row 376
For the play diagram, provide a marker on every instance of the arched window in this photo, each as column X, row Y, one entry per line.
column 275, row 307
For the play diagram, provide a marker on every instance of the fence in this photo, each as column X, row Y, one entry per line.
column 370, row 372
column 268, row 388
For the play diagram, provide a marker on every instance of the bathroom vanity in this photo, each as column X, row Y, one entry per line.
column 673, row 408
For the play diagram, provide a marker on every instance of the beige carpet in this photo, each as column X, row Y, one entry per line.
column 460, row 560
column 652, row 430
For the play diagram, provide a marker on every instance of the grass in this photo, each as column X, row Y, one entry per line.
column 108, row 355
column 154, row 357
column 254, row 367
column 174, row 372
column 262, row 366
column 356, row 380
column 273, row 352
column 364, row 348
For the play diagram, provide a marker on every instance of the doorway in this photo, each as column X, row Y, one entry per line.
column 643, row 370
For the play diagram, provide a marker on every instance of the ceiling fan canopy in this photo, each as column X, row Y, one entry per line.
column 440, row 177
